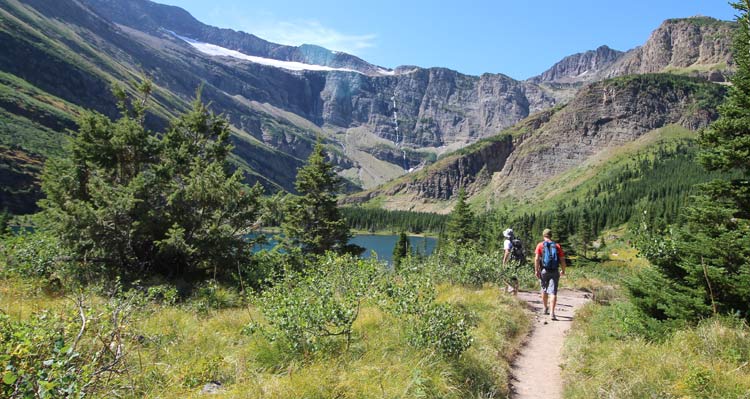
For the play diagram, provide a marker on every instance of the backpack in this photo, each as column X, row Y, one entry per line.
column 550, row 257
column 516, row 250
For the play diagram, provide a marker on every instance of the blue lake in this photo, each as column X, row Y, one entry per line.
column 381, row 245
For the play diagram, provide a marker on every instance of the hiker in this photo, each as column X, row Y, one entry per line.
column 513, row 253
column 549, row 265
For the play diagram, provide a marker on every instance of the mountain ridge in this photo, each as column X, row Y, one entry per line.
column 600, row 118
column 276, row 114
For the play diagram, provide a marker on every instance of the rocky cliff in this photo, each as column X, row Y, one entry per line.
column 157, row 19
column 69, row 52
column 276, row 112
column 581, row 67
column 601, row 118
column 697, row 46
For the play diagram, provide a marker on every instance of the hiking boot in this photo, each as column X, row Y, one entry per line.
column 546, row 310
column 554, row 317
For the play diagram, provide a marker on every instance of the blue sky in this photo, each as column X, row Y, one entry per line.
column 519, row 38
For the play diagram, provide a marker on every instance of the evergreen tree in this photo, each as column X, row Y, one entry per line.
column 312, row 221
column 401, row 250
column 705, row 267
column 4, row 222
column 560, row 229
column 584, row 231
column 132, row 202
column 461, row 227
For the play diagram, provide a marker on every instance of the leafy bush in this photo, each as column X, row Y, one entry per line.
column 464, row 264
column 442, row 327
column 307, row 310
column 310, row 310
column 71, row 354
column 623, row 320
column 36, row 254
column 410, row 295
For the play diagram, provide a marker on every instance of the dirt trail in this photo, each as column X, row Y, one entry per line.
column 536, row 370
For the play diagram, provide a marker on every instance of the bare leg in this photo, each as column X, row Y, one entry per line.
column 544, row 300
column 554, row 304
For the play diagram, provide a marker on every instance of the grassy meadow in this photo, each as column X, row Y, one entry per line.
column 616, row 351
column 174, row 349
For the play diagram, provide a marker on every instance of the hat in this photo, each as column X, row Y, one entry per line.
column 508, row 233
column 547, row 233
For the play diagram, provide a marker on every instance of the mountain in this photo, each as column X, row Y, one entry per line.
column 60, row 57
column 581, row 67
column 697, row 46
column 279, row 99
column 154, row 19
column 556, row 150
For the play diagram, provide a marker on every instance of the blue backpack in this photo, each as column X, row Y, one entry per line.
column 550, row 258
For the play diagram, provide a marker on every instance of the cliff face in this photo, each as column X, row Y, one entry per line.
column 602, row 117
column 470, row 172
column 280, row 111
column 581, row 67
column 69, row 52
column 435, row 106
column 697, row 46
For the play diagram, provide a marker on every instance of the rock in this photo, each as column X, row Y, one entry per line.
column 211, row 388
column 602, row 117
column 581, row 67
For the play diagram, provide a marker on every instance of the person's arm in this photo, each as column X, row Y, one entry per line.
column 537, row 265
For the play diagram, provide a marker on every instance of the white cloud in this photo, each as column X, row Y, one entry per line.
column 313, row 32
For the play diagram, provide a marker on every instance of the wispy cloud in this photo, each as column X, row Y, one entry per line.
column 313, row 32
column 294, row 32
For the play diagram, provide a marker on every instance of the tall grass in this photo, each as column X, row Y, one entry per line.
column 616, row 351
column 173, row 350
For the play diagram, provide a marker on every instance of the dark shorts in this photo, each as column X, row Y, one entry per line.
column 550, row 281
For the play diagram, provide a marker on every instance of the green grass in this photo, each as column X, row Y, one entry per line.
column 615, row 351
column 174, row 350
column 607, row 356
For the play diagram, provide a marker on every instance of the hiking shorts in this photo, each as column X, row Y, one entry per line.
column 550, row 281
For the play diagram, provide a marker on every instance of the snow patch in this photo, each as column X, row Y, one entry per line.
column 218, row 51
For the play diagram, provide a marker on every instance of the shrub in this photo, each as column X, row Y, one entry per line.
column 463, row 264
column 36, row 254
column 443, row 328
column 309, row 309
column 68, row 354
column 212, row 295
column 410, row 296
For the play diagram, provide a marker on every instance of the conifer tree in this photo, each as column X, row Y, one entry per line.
column 312, row 221
column 461, row 227
column 401, row 250
column 560, row 228
column 584, row 231
column 705, row 267
column 131, row 202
